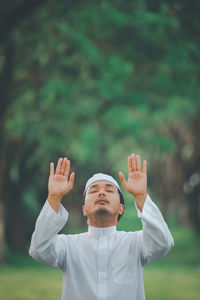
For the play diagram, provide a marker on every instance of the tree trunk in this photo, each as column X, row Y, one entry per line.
column 2, row 206
column 194, row 208
column 2, row 233
column 15, row 225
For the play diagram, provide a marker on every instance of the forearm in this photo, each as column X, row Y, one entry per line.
column 157, row 239
column 46, row 244
column 140, row 200
column 54, row 201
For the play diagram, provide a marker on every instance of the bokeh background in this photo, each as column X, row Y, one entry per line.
column 96, row 81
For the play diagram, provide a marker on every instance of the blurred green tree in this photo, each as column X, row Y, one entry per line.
column 95, row 81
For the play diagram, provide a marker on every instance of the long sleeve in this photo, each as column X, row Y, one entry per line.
column 157, row 240
column 47, row 246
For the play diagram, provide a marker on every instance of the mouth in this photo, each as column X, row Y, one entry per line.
column 101, row 201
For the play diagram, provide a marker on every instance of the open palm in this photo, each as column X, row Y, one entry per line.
column 59, row 185
column 137, row 180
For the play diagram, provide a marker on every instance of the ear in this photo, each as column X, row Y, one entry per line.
column 84, row 210
column 121, row 209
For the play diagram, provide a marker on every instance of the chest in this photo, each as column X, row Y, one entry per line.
column 115, row 257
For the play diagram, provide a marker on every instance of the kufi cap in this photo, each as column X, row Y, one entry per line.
column 100, row 176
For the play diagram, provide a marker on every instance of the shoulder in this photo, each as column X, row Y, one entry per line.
column 130, row 235
column 132, row 241
column 73, row 237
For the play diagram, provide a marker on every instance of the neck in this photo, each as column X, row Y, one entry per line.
column 102, row 221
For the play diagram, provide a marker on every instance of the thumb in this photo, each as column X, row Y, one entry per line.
column 123, row 180
column 51, row 169
column 71, row 180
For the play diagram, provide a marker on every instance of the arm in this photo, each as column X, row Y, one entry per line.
column 47, row 246
column 156, row 238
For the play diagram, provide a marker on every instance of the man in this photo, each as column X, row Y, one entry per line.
column 103, row 263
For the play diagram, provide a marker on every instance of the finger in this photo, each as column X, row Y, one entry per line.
column 144, row 170
column 59, row 164
column 123, row 180
column 129, row 165
column 64, row 164
column 51, row 169
column 133, row 162
column 138, row 163
column 71, row 180
column 67, row 168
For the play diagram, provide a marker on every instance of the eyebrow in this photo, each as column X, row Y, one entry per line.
column 96, row 185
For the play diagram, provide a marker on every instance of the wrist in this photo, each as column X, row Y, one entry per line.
column 54, row 201
column 54, row 198
column 140, row 200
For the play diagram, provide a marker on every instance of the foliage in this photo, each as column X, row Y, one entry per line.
column 95, row 81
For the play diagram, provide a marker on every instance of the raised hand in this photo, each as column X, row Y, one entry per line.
column 137, row 180
column 59, row 183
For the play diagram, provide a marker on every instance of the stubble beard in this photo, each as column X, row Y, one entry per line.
column 102, row 215
column 101, row 212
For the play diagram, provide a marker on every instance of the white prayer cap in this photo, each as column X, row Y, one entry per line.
column 100, row 176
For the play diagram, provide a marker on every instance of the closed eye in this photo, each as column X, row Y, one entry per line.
column 91, row 192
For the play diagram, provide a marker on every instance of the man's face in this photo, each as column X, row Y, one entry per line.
column 102, row 199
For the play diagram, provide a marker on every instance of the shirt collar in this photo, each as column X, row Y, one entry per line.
column 100, row 232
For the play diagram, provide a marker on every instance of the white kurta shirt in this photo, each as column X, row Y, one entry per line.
column 103, row 263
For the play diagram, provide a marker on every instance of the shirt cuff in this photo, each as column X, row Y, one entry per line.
column 147, row 208
column 57, row 217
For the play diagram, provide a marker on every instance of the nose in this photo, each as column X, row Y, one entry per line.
column 101, row 192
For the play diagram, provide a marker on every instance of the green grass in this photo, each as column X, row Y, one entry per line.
column 175, row 277
column 30, row 284
column 172, row 283
column 42, row 283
